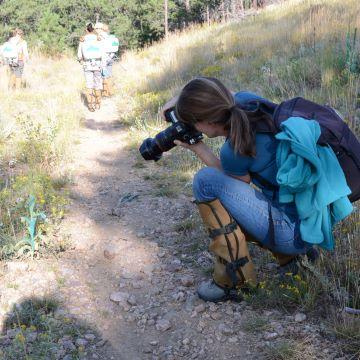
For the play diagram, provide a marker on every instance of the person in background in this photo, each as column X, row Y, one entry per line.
column 92, row 56
column 15, row 54
column 111, row 46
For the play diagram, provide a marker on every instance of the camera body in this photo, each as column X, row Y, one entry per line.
column 153, row 148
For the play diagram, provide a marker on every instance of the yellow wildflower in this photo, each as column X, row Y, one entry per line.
column 20, row 337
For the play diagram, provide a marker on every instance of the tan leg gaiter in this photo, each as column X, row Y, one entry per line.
column 90, row 99
column 12, row 82
column 233, row 265
column 105, row 91
column 110, row 87
column 18, row 83
column 97, row 98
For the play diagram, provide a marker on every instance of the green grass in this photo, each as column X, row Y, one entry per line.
column 38, row 316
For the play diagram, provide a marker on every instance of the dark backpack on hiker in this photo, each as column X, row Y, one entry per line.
column 334, row 132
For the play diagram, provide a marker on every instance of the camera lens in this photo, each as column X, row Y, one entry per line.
column 150, row 150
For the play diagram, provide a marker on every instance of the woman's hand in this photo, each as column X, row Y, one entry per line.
column 188, row 146
column 170, row 104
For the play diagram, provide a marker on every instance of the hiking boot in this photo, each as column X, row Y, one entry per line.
column 209, row 291
column 293, row 265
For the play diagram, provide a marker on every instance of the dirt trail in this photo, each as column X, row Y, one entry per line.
column 130, row 274
column 115, row 211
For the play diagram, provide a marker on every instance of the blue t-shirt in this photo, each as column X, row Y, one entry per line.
column 264, row 163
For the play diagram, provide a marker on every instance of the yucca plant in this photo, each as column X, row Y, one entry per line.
column 31, row 241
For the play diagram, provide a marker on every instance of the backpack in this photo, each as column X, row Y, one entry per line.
column 334, row 132
column 91, row 48
column 10, row 53
column 111, row 44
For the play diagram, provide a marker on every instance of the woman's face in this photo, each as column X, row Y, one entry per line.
column 210, row 130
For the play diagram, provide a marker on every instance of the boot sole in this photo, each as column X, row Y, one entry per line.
column 233, row 297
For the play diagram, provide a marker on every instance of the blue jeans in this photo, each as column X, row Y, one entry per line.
column 250, row 208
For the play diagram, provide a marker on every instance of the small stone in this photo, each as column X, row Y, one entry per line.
column 233, row 340
column 137, row 285
column 215, row 316
column 201, row 326
column 67, row 357
column 279, row 329
column 225, row 329
column 200, row 308
column 174, row 266
column 90, row 337
column 68, row 345
column 270, row 335
column 132, row 300
column 187, row 280
column 186, row 341
column 179, row 296
column 300, row 317
column 110, row 252
column 153, row 343
column 163, row 325
column 141, row 235
column 119, row 297
column 100, row 343
column 213, row 307
column 81, row 342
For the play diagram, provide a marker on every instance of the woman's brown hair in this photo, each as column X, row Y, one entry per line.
column 208, row 99
column 17, row 31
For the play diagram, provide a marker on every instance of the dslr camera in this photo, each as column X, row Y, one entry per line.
column 153, row 148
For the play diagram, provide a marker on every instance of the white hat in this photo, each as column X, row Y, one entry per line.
column 98, row 25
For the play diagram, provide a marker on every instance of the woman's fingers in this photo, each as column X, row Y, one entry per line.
column 170, row 104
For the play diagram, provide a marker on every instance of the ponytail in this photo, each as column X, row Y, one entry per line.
column 241, row 134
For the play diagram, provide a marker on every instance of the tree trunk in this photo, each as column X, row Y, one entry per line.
column 255, row 5
column 241, row 6
column 208, row 15
column 222, row 10
column 166, row 19
column 187, row 6
column 187, row 10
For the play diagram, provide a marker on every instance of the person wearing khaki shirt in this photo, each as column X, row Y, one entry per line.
column 18, row 59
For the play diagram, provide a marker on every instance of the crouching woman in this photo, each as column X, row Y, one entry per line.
column 234, row 211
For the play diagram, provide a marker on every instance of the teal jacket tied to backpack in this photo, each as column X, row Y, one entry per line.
column 310, row 175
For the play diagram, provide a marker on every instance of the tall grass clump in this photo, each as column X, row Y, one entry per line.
column 306, row 48
column 37, row 126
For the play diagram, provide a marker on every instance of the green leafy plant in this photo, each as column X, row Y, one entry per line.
column 30, row 241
